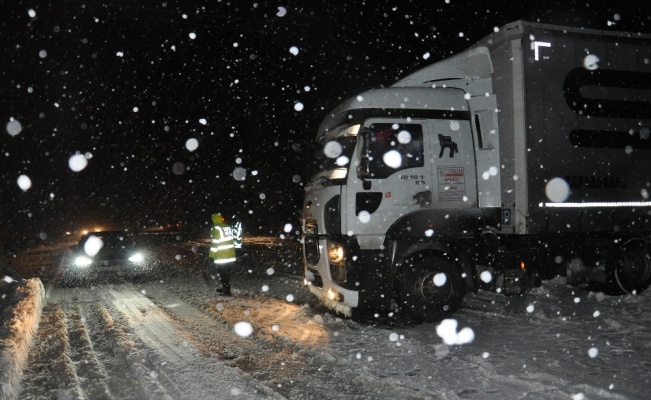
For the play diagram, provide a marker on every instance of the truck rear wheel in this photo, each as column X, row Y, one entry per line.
column 632, row 274
column 430, row 287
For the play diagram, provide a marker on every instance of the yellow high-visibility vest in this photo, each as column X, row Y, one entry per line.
column 222, row 248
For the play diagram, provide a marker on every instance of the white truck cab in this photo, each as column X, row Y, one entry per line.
column 509, row 158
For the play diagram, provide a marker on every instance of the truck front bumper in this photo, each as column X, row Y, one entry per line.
column 332, row 295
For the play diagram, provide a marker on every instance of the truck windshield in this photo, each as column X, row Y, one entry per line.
column 337, row 149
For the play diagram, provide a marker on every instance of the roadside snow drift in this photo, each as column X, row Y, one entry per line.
column 20, row 317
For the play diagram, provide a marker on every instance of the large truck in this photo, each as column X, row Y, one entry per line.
column 526, row 156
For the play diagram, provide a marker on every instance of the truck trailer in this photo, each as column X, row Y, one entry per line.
column 526, row 156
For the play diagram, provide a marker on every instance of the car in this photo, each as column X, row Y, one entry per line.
column 104, row 256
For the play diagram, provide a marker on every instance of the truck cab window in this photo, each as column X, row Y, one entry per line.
column 391, row 148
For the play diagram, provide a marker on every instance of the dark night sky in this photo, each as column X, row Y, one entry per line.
column 105, row 59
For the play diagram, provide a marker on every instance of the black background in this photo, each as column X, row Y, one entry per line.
column 238, row 74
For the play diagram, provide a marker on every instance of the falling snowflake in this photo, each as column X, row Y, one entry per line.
column 93, row 245
column 239, row 174
column 557, row 190
column 77, row 162
column 392, row 158
column 14, row 127
column 333, row 149
column 591, row 62
column 440, row 279
column 243, row 329
column 447, row 330
column 24, row 182
column 192, row 144
column 486, row 276
column 593, row 352
column 364, row 217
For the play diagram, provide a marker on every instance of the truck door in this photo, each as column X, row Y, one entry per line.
column 391, row 176
column 400, row 167
column 455, row 176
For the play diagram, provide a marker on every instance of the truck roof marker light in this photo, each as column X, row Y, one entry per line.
column 596, row 204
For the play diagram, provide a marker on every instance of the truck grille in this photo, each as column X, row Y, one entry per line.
column 338, row 272
column 311, row 242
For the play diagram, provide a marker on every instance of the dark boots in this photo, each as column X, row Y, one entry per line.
column 225, row 290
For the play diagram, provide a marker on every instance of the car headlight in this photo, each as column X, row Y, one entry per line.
column 83, row 261
column 137, row 258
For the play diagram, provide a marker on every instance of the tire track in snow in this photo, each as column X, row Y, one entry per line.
column 50, row 356
column 90, row 370
column 217, row 339
column 294, row 364
column 115, row 354
column 130, row 370
column 180, row 365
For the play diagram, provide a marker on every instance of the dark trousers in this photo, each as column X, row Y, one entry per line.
column 221, row 271
column 224, row 274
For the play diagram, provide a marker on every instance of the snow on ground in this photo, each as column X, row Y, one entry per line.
column 174, row 338
column 19, row 318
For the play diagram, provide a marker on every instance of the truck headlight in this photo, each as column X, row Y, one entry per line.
column 335, row 253
column 83, row 261
column 136, row 258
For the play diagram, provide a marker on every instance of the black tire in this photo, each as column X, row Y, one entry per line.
column 420, row 297
column 632, row 273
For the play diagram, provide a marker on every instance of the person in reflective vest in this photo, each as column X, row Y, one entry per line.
column 222, row 252
column 236, row 224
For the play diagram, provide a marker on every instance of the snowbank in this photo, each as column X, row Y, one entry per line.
column 19, row 319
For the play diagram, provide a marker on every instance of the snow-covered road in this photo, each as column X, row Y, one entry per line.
column 175, row 338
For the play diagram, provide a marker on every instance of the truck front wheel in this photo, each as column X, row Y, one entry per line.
column 430, row 287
